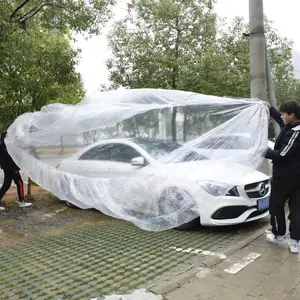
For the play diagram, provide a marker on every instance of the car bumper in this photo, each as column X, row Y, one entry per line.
column 248, row 214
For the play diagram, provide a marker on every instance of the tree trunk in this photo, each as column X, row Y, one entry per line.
column 174, row 80
column 19, row 108
column 174, row 127
column 62, row 145
column 136, row 128
column 184, row 125
column 29, row 185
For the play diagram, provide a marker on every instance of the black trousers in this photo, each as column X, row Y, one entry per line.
column 285, row 189
column 9, row 176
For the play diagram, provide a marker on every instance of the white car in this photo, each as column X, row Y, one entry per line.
column 247, row 201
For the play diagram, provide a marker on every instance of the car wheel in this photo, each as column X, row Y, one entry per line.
column 69, row 204
column 190, row 225
column 171, row 201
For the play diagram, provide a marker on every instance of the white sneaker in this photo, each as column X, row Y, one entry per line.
column 2, row 208
column 24, row 204
column 278, row 240
column 294, row 246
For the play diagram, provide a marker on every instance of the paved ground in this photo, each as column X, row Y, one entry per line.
column 272, row 276
column 135, row 295
column 54, row 252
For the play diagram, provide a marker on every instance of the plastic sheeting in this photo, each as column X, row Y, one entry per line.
column 83, row 153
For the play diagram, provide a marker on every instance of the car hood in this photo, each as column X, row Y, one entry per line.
column 212, row 170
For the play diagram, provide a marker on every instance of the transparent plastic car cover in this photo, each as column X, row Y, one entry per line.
column 114, row 152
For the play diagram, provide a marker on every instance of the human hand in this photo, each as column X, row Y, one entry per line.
column 265, row 103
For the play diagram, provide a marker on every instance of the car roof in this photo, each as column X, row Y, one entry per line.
column 125, row 141
column 132, row 139
column 232, row 134
column 149, row 140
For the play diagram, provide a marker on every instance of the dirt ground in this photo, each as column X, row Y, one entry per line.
column 47, row 216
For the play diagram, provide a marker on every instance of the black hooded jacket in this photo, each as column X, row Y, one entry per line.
column 6, row 162
column 286, row 153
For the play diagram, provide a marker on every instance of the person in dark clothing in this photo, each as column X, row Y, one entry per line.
column 285, row 184
column 11, row 173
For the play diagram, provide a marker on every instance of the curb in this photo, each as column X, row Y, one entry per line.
column 168, row 285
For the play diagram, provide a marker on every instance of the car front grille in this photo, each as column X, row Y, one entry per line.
column 257, row 189
column 233, row 212
column 229, row 212
column 257, row 213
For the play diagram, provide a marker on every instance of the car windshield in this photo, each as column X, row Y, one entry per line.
column 157, row 148
column 233, row 142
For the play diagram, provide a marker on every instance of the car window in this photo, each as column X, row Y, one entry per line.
column 226, row 142
column 112, row 152
column 194, row 156
column 101, row 152
column 157, row 148
column 123, row 153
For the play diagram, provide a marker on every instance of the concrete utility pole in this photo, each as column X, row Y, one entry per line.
column 258, row 86
column 271, row 91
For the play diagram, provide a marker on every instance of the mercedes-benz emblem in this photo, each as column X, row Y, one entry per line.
column 262, row 189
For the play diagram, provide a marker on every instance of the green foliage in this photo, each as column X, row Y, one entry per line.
column 154, row 48
column 10, row 112
column 59, row 15
column 296, row 91
column 37, row 61
column 40, row 70
column 181, row 45
column 175, row 44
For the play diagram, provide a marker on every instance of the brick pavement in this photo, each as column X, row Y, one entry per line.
column 100, row 259
column 115, row 258
column 36, row 270
column 274, row 275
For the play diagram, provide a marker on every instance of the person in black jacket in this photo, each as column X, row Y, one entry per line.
column 11, row 173
column 285, row 183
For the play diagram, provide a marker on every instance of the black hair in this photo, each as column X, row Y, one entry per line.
column 291, row 107
column 3, row 135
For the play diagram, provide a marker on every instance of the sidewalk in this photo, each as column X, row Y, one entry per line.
column 258, row 271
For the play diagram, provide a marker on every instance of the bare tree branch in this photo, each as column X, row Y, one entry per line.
column 37, row 9
column 25, row 16
column 31, row 13
column 14, row 13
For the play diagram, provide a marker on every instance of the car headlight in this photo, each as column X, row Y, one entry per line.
column 219, row 190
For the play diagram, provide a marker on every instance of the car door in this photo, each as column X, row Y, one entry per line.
column 92, row 163
column 121, row 157
column 106, row 161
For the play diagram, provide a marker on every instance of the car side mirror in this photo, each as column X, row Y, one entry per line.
column 138, row 161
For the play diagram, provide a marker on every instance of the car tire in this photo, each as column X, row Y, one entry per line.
column 69, row 204
column 179, row 194
column 190, row 225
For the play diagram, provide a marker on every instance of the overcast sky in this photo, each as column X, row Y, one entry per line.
column 285, row 14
